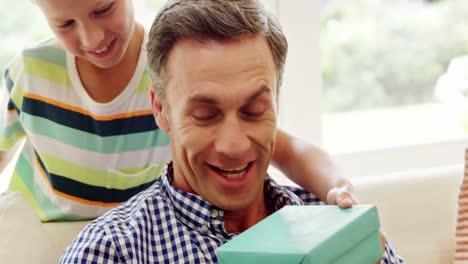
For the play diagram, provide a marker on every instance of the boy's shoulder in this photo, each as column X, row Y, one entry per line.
column 43, row 44
column 49, row 50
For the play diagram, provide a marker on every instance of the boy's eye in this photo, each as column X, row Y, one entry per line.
column 66, row 24
column 103, row 11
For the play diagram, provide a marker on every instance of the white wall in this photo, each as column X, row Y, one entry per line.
column 301, row 104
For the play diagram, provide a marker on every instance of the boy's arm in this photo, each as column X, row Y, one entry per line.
column 311, row 168
column 5, row 158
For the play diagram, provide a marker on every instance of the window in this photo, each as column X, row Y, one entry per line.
column 386, row 137
column 417, row 131
column 394, row 76
column 393, row 71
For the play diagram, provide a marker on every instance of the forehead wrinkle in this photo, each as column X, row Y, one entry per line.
column 211, row 100
column 259, row 92
column 203, row 99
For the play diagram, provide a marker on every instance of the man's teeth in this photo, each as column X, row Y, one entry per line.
column 233, row 175
column 101, row 50
column 235, row 172
column 236, row 169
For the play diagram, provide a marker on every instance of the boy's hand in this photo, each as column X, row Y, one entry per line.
column 341, row 195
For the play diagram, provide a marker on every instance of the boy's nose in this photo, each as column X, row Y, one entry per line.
column 91, row 37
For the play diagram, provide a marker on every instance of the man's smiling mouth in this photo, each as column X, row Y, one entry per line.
column 232, row 173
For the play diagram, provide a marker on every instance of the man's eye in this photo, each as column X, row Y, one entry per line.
column 253, row 114
column 204, row 118
column 204, row 114
column 103, row 11
column 254, row 110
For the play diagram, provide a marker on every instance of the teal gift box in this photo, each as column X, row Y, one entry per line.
column 309, row 234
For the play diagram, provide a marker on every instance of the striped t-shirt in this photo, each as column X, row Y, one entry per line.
column 80, row 157
column 461, row 234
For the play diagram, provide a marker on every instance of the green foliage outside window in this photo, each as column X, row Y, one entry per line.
column 379, row 53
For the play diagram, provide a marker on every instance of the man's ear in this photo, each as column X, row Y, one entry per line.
column 158, row 111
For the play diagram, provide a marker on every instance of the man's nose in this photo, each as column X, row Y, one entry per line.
column 232, row 139
column 91, row 36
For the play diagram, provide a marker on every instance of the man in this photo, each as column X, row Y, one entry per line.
column 216, row 68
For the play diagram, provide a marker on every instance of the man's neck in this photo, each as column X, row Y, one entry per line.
column 234, row 221
column 239, row 221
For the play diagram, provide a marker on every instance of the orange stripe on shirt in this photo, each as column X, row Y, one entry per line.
column 85, row 112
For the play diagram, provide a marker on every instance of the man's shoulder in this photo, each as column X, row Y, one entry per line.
column 141, row 208
column 125, row 228
column 281, row 195
column 305, row 196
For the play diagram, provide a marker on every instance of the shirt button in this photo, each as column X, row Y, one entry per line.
column 214, row 213
column 204, row 228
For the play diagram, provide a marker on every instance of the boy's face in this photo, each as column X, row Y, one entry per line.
column 221, row 118
column 96, row 30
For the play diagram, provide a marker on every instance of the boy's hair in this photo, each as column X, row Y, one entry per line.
column 210, row 20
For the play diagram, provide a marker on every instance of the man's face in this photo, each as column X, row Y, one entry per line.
column 221, row 118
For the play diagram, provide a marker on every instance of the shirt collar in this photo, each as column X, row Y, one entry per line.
column 202, row 216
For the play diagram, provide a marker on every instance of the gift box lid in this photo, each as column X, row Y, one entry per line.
column 307, row 234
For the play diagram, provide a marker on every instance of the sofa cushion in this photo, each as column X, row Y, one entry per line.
column 61, row 234
column 417, row 210
column 22, row 238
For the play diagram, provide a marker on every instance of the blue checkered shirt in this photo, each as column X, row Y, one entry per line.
column 165, row 225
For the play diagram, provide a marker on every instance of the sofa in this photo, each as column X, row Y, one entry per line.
column 417, row 212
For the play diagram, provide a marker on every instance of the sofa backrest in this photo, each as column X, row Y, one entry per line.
column 417, row 211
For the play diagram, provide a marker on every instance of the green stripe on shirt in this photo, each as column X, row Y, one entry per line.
column 8, row 143
column 95, row 177
column 9, row 131
column 24, row 183
column 144, row 85
column 47, row 54
column 47, row 71
column 91, row 142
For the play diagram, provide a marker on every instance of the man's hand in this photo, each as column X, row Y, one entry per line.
column 341, row 195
